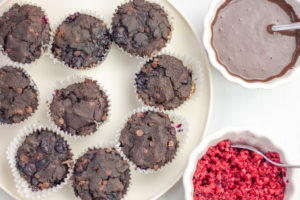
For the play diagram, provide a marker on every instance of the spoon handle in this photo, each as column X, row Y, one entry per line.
column 250, row 148
column 286, row 27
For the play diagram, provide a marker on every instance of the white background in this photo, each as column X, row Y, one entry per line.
column 276, row 111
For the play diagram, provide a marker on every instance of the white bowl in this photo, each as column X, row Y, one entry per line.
column 240, row 136
column 207, row 36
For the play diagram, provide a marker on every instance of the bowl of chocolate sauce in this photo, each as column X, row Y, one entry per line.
column 242, row 46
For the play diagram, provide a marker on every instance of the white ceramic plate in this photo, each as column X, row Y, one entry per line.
column 258, row 139
column 116, row 74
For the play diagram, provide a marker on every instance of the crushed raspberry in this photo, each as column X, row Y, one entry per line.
column 45, row 20
column 226, row 173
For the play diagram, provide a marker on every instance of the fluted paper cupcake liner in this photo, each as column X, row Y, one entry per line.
column 67, row 82
column 170, row 19
column 32, row 83
column 23, row 187
column 192, row 64
column 55, row 27
column 9, row 61
column 179, row 123
column 109, row 145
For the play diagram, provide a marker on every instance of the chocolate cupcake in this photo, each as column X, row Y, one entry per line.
column 43, row 159
column 79, row 108
column 101, row 174
column 149, row 140
column 81, row 41
column 141, row 28
column 18, row 96
column 164, row 82
column 24, row 32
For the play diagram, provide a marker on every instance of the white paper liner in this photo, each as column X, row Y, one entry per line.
column 32, row 83
column 108, row 145
column 170, row 19
column 192, row 64
column 67, row 82
column 23, row 187
column 182, row 128
column 44, row 46
column 55, row 27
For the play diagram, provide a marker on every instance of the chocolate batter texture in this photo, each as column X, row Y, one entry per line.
column 164, row 82
column 18, row 97
column 141, row 28
column 79, row 108
column 149, row 140
column 43, row 159
column 101, row 174
column 23, row 32
column 81, row 41
column 245, row 46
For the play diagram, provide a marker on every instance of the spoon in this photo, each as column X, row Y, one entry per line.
column 250, row 148
column 286, row 27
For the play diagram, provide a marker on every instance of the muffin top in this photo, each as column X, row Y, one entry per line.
column 18, row 97
column 164, row 82
column 149, row 140
column 23, row 32
column 141, row 28
column 101, row 174
column 43, row 159
column 81, row 41
column 79, row 108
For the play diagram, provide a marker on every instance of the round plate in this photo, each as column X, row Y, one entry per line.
column 116, row 74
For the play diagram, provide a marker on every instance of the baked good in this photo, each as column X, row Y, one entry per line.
column 164, row 82
column 18, row 95
column 149, row 140
column 79, row 108
column 81, row 41
column 43, row 159
column 101, row 174
column 141, row 28
column 24, row 32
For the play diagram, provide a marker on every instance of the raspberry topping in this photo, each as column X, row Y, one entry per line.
column 229, row 173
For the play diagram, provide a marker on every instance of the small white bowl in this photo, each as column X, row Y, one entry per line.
column 240, row 136
column 207, row 36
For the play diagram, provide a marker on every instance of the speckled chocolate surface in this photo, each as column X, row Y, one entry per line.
column 43, row 159
column 164, row 82
column 101, row 174
column 18, row 97
column 141, row 28
column 79, row 108
column 149, row 140
column 23, row 32
column 81, row 41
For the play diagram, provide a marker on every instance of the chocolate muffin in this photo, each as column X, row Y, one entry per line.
column 101, row 174
column 43, row 159
column 79, row 108
column 164, row 82
column 18, row 96
column 149, row 140
column 141, row 28
column 81, row 41
column 24, row 29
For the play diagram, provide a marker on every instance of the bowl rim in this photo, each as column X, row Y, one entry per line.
column 207, row 35
column 203, row 146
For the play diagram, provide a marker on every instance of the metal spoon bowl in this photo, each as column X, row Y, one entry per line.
column 250, row 148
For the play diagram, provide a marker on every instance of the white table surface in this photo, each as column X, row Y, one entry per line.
column 276, row 111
